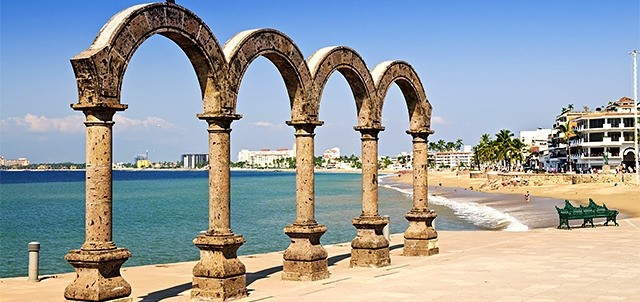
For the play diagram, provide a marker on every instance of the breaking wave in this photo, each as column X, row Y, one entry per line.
column 478, row 214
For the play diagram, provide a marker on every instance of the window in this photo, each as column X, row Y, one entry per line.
column 615, row 151
column 596, row 137
column 596, row 123
column 615, row 136
column 615, row 122
column 628, row 135
column 595, row 152
column 628, row 122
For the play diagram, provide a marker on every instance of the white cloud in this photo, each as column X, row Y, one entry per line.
column 75, row 124
column 125, row 123
column 263, row 124
column 42, row 124
column 438, row 120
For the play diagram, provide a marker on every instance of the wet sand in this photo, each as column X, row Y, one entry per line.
column 623, row 197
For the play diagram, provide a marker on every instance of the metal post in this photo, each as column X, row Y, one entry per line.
column 385, row 230
column 34, row 253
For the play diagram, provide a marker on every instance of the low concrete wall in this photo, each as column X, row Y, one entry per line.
column 542, row 179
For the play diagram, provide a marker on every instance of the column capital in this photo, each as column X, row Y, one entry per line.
column 219, row 122
column 99, row 107
column 100, row 114
column 368, row 132
column 420, row 135
column 304, row 128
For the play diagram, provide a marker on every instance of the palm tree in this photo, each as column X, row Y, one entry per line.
column 566, row 134
column 450, row 146
column 484, row 152
column 503, row 141
column 459, row 144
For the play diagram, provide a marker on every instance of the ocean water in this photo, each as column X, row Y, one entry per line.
column 156, row 214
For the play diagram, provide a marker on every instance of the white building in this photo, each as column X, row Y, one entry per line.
column 192, row 161
column 20, row 162
column 265, row 157
column 605, row 136
column 332, row 153
column 452, row 158
column 536, row 138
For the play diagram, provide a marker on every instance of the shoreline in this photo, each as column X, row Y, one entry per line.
column 623, row 197
column 486, row 210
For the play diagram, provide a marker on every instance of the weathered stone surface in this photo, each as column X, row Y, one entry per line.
column 219, row 275
column 351, row 65
column 370, row 257
column 370, row 248
column 420, row 247
column 305, row 259
column 99, row 72
column 420, row 236
column 97, row 275
column 246, row 46
column 218, row 289
column 403, row 74
column 305, row 270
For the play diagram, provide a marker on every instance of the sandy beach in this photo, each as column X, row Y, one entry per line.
column 623, row 197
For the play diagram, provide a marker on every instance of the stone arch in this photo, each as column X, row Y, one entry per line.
column 403, row 74
column 350, row 64
column 278, row 48
column 100, row 69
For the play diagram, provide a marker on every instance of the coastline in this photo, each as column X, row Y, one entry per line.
column 623, row 197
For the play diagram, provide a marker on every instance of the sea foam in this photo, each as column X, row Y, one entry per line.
column 478, row 214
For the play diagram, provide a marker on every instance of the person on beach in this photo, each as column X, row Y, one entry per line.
column 527, row 197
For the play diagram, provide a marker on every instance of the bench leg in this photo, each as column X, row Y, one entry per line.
column 565, row 222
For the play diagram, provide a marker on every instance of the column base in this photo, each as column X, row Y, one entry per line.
column 97, row 275
column 420, row 238
column 219, row 275
column 305, row 259
column 370, row 248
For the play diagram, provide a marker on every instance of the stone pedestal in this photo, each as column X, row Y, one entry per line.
column 97, row 275
column 305, row 259
column 370, row 248
column 219, row 275
column 420, row 238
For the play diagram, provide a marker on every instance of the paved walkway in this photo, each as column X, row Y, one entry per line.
column 590, row 264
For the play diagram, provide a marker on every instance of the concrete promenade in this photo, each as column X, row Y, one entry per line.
column 582, row 264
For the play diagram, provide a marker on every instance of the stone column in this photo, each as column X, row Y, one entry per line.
column 98, row 261
column 420, row 238
column 305, row 259
column 370, row 248
column 219, row 275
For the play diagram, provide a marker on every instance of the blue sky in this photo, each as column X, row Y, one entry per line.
column 485, row 65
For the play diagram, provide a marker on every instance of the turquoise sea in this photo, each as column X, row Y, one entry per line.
column 156, row 214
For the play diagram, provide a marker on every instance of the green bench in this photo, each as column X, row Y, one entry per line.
column 587, row 214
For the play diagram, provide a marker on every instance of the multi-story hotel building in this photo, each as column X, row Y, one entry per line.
column 20, row 162
column 452, row 158
column 605, row 136
column 192, row 161
column 264, row 157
